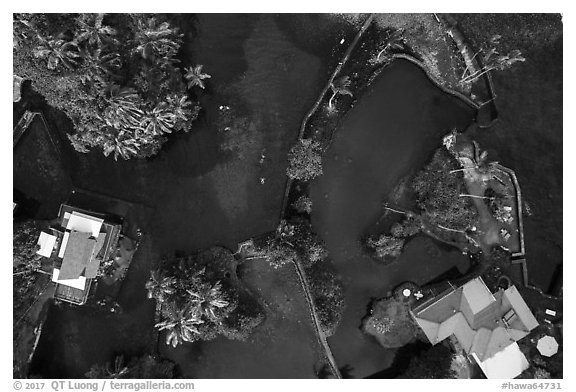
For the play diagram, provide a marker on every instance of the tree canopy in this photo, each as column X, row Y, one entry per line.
column 114, row 76
column 438, row 188
column 305, row 160
column 199, row 299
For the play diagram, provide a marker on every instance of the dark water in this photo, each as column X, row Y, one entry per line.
column 390, row 133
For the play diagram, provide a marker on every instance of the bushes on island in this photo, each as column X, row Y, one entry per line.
column 390, row 323
column 387, row 248
column 438, row 187
column 199, row 297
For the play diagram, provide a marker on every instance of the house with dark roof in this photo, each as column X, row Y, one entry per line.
column 78, row 244
column 487, row 325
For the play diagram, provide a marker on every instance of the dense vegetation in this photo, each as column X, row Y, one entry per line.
column 114, row 76
column 198, row 299
column 433, row 363
column 391, row 323
column 146, row 366
column 25, row 264
column 386, row 247
column 438, row 188
column 305, row 160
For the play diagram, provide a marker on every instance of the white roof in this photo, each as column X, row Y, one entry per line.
column 505, row 364
column 550, row 312
column 46, row 242
column 547, row 346
column 84, row 223
column 477, row 295
column 64, row 243
column 79, row 283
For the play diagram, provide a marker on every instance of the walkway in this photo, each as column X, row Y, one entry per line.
column 301, row 274
column 316, row 319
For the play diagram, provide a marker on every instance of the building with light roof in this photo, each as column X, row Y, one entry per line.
column 78, row 244
column 487, row 325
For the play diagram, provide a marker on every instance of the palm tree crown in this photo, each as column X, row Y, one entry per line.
column 195, row 76
column 181, row 324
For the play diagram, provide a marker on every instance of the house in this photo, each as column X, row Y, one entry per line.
column 487, row 325
column 78, row 244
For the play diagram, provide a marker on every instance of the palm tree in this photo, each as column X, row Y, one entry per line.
column 180, row 106
column 159, row 120
column 99, row 67
column 56, row 52
column 109, row 371
column 160, row 287
column 180, row 323
column 339, row 86
column 492, row 60
column 195, row 76
column 154, row 39
column 92, row 30
column 124, row 108
column 121, row 145
column 209, row 299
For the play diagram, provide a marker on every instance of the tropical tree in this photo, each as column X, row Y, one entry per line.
column 209, row 299
column 181, row 323
column 91, row 30
column 159, row 120
column 121, row 145
column 146, row 366
column 125, row 108
column 120, row 106
column 109, row 370
column 195, row 76
column 100, row 67
column 154, row 38
column 160, row 287
column 305, row 160
column 339, row 87
column 57, row 52
column 438, row 191
column 181, row 107
column 491, row 60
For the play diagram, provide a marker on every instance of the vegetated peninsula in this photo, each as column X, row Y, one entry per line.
column 287, row 196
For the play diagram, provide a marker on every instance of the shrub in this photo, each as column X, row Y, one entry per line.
column 303, row 204
column 305, row 160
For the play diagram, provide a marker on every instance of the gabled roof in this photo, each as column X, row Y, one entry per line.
column 512, row 298
column 77, row 254
column 484, row 323
column 84, row 223
column 94, row 262
column 505, row 364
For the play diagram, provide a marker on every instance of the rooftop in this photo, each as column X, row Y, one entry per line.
column 484, row 323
